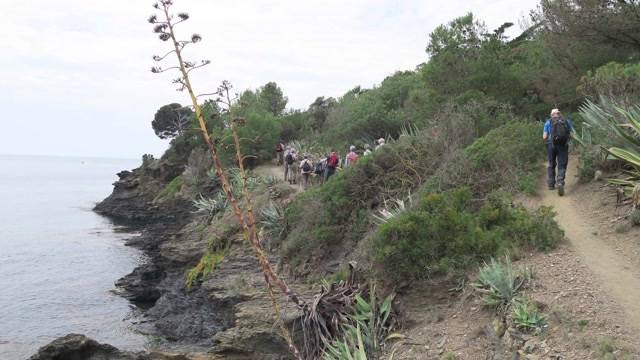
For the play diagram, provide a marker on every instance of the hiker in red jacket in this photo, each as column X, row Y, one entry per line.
column 332, row 163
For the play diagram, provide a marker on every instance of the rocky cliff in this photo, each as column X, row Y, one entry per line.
column 228, row 313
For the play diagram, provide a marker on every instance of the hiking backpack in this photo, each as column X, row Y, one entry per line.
column 306, row 167
column 560, row 131
column 332, row 162
column 289, row 159
column 319, row 168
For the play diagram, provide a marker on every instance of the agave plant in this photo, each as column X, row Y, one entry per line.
column 210, row 206
column 364, row 330
column 347, row 348
column 391, row 209
column 526, row 316
column 622, row 127
column 408, row 129
column 273, row 220
column 235, row 178
column 499, row 284
column 270, row 180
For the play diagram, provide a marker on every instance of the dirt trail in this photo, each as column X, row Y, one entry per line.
column 620, row 279
column 277, row 172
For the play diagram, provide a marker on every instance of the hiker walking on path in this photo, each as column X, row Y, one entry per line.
column 556, row 133
column 279, row 153
column 381, row 143
column 332, row 163
column 306, row 169
column 287, row 157
column 319, row 169
column 367, row 149
column 352, row 156
column 291, row 162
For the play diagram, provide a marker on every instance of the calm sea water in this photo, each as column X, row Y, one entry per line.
column 58, row 259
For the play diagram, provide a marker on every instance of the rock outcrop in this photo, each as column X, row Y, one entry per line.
column 228, row 314
column 79, row 347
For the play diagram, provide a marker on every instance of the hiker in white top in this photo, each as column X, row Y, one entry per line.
column 367, row 149
column 306, row 168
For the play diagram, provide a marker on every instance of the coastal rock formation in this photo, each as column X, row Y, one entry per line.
column 229, row 313
column 79, row 347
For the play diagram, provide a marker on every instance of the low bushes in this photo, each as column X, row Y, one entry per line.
column 328, row 221
column 507, row 157
column 337, row 214
column 451, row 231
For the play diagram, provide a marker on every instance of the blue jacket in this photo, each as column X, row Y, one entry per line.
column 547, row 128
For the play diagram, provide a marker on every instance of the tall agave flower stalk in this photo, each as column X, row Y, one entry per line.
column 165, row 28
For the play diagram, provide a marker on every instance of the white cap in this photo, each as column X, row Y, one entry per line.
column 555, row 111
column 381, row 140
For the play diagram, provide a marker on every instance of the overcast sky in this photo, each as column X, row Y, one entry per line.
column 75, row 80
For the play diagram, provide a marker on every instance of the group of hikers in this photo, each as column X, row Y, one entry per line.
column 305, row 170
column 556, row 133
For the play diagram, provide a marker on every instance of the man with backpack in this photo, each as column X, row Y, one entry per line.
column 557, row 132
column 332, row 163
column 320, row 168
column 306, row 168
column 291, row 167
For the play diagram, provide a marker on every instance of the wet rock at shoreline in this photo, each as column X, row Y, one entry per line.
column 80, row 347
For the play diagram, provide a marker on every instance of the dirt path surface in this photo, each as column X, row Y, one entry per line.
column 613, row 269
column 277, row 172
column 270, row 170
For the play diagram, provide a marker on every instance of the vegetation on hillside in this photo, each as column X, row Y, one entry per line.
column 464, row 135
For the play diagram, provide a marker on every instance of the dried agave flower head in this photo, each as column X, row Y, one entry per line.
column 183, row 16
column 195, row 38
column 159, row 28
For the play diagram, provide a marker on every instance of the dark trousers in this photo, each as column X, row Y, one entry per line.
column 328, row 171
column 558, row 156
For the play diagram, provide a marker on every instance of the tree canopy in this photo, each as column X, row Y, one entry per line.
column 171, row 120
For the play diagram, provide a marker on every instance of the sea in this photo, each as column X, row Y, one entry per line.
column 58, row 259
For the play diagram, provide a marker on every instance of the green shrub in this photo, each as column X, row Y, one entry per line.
column 635, row 217
column 204, row 268
column 613, row 80
column 608, row 349
column 591, row 160
column 450, row 355
column 338, row 214
column 171, row 189
column 449, row 231
column 506, row 158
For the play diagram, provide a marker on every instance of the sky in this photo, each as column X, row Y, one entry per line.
column 75, row 79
